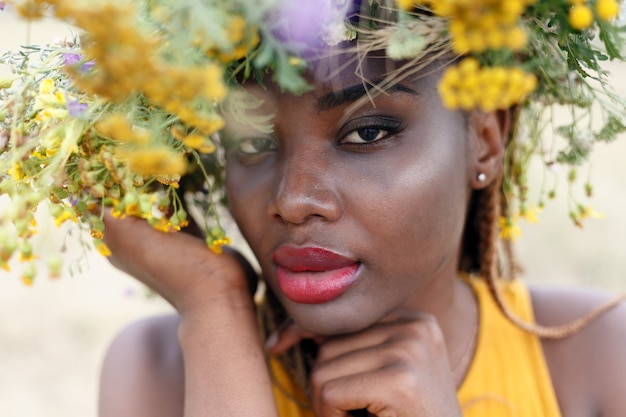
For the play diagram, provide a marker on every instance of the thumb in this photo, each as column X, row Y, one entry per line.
column 287, row 336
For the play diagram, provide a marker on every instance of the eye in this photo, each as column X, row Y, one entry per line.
column 365, row 135
column 370, row 131
column 253, row 146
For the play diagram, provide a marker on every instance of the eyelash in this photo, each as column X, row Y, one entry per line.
column 268, row 144
column 391, row 127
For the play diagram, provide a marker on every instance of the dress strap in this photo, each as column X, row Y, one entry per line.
column 508, row 375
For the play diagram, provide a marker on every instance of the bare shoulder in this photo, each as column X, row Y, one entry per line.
column 142, row 373
column 588, row 369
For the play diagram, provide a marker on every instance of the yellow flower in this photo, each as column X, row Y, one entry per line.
column 165, row 225
column 213, row 80
column 16, row 172
column 117, row 213
column 198, row 142
column 607, row 9
column 216, row 246
column 28, row 274
column 482, row 24
column 117, row 126
column 580, row 16
column 65, row 215
column 193, row 140
column 530, row 214
column 26, row 253
column 172, row 181
column 295, row 61
column 590, row 212
column 54, row 263
column 509, row 230
column 6, row 82
column 406, row 4
column 97, row 234
column 46, row 86
column 102, row 248
column 468, row 86
column 155, row 161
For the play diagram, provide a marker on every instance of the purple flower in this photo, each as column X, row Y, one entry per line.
column 76, row 108
column 2, row 4
column 304, row 24
column 74, row 60
column 71, row 59
column 300, row 23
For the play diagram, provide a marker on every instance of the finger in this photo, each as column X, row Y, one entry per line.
column 401, row 324
column 406, row 354
column 285, row 337
column 362, row 360
column 145, row 253
column 176, row 265
column 343, row 396
column 356, row 392
column 136, row 236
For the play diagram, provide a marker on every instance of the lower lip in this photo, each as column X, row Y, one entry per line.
column 310, row 287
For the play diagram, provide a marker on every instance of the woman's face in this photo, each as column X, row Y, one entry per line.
column 352, row 215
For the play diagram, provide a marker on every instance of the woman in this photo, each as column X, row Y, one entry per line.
column 364, row 209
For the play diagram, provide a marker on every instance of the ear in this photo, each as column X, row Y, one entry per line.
column 488, row 135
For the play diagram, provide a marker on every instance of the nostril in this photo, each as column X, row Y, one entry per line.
column 297, row 205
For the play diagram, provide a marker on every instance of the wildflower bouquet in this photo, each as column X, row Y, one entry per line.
column 127, row 115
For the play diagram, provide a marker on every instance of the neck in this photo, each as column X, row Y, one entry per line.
column 455, row 307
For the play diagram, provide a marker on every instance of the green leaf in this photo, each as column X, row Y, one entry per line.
column 613, row 127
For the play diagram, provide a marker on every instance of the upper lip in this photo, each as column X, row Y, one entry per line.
column 313, row 258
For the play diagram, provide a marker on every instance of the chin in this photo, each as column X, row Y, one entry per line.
column 332, row 320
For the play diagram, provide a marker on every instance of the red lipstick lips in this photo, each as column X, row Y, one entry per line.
column 313, row 275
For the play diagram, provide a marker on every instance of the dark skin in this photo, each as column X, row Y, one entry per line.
column 378, row 183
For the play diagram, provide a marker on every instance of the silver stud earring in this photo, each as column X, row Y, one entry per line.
column 481, row 177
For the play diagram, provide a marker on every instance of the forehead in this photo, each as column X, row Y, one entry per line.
column 338, row 69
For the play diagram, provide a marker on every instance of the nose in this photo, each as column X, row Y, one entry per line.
column 305, row 190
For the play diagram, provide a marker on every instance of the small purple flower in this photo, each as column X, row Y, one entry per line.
column 2, row 4
column 76, row 108
column 304, row 24
column 300, row 22
column 73, row 60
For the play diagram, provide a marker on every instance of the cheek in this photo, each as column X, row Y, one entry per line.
column 245, row 193
column 419, row 207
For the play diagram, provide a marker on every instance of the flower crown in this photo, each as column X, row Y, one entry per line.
column 127, row 114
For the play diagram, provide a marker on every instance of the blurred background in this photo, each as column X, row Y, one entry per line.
column 53, row 335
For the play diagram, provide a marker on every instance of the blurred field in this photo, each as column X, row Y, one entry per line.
column 53, row 335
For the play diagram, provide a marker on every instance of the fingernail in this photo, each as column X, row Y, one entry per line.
column 271, row 341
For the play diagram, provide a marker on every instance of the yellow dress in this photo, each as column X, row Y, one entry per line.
column 508, row 376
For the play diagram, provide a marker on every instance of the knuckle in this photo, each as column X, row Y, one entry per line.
column 435, row 335
column 330, row 394
column 429, row 329
column 404, row 378
column 402, row 351
column 317, row 378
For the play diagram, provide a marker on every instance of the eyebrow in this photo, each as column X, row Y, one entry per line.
column 353, row 93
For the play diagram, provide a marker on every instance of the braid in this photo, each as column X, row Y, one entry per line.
column 489, row 212
column 509, row 266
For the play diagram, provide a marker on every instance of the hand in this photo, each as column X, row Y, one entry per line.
column 178, row 265
column 396, row 368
